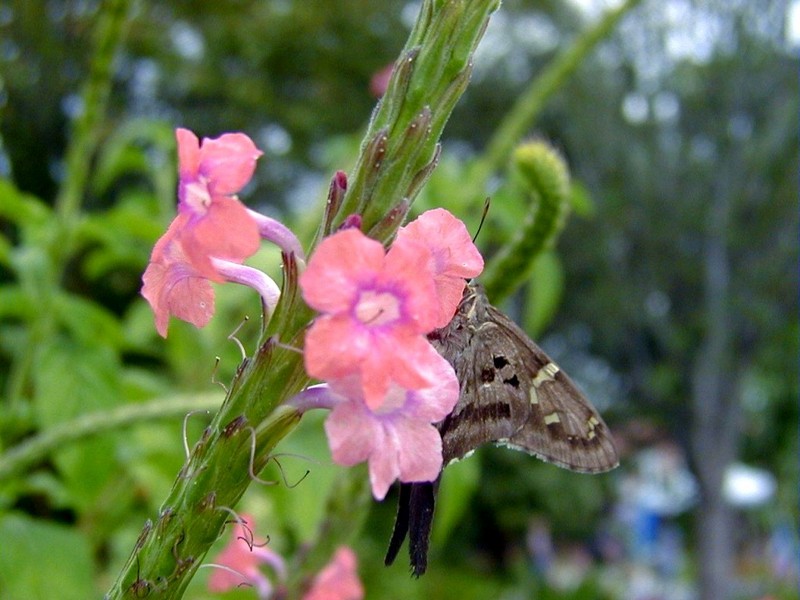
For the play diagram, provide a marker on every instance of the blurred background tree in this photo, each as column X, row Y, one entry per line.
column 672, row 299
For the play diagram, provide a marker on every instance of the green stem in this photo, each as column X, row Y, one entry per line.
column 85, row 134
column 35, row 449
column 346, row 509
column 519, row 119
column 86, row 129
column 400, row 147
column 546, row 180
column 253, row 417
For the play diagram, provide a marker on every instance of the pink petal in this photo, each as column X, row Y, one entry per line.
column 351, row 433
column 384, row 463
column 171, row 248
column 228, row 162
column 333, row 348
column 450, row 291
column 449, row 241
column 399, row 359
column 189, row 298
column 398, row 440
column 409, row 264
column 420, row 455
column 173, row 288
column 338, row 580
column 433, row 403
column 227, row 231
column 188, row 153
column 454, row 256
column 338, row 268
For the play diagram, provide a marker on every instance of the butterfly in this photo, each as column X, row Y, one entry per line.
column 511, row 394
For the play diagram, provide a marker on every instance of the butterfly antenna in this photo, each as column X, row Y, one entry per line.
column 486, row 204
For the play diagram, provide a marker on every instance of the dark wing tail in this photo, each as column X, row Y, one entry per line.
column 400, row 523
column 415, row 509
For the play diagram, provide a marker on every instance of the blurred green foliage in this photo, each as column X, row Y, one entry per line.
column 619, row 300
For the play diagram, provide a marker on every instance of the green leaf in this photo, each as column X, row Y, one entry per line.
column 19, row 207
column 88, row 322
column 5, row 251
column 16, row 303
column 42, row 560
column 73, row 379
column 581, row 201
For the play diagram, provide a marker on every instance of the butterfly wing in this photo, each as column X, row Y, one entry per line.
column 511, row 393
column 493, row 402
column 562, row 427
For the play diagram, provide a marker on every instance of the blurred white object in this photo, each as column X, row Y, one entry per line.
column 745, row 486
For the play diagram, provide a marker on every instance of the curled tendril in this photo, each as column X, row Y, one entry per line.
column 214, row 375
column 185, row 422
column 251, row 465
column 232, row 337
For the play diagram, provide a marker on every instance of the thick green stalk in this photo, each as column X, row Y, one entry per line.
column 400, row 146
column 233, row 448
column 396, row 157
column 546, row 179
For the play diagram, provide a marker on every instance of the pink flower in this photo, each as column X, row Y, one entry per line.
column 376, row 307
column 212, row 234
column 243, row 556
column 398, row 439
column 210, row 174
column 338, row 580
column 454, row 257
column 174, row 285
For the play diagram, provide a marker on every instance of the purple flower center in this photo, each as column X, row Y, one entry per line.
column 395, row 399
column 197, row 194
column 377, row 308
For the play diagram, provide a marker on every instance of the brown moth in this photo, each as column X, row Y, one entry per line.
column 512, row 394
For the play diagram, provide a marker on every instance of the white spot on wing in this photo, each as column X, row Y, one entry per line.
column 551, row 418
column 533, row 395
column 546, row 373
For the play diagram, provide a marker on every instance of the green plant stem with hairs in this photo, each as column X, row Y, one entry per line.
column 397, row 156
column 37, row 448
column 546, row 188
